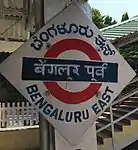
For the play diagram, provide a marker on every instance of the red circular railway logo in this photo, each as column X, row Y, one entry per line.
column 58, row 92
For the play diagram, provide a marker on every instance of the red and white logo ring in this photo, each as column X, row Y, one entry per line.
column 53, row 87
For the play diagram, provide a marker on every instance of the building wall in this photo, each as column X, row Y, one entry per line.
column 8, row 46
column 13, row 19
column 12, row 29
column 25, row 139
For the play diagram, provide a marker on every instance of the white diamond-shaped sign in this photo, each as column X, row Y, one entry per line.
column 69, row 71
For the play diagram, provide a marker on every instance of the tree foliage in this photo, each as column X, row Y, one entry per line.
column 108, row 21
column 100, row 20
column 130, row 53
column 97, row 18
column 125, row 17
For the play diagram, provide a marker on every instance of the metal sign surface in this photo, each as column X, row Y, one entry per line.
column 69, row 71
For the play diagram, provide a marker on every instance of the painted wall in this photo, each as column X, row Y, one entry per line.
column 6, row 46
column 19, row 140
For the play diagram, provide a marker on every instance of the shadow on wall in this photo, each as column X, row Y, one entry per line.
column 133, row 146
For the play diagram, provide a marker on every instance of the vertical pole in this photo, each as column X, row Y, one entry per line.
column 112, row 128
column 52, row 137
column 43, row 123
column 44, row 133
column 39, row 14
column 89, row 141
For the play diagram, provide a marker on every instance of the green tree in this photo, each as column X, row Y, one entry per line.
column 114, row 22
column 130, row 53
column 98, row 18
column 108, row 21
column 125, row 17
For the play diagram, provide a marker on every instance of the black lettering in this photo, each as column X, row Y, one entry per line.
column 37, row 96
column 85, row 114
column 60, row 116
column 73, row 28
column 44, row 36
column 62, row 28
column 106, row 97
column 41, row 103
column 52, row 31
column 90, row 34
column 84, row 31
column 68, row 117
column 47, row 109
column 96, row 108
column 32, row 89
column 108, row 90
column 77, row 116
column 54, row 113
column 36, row 44
column 102, row 104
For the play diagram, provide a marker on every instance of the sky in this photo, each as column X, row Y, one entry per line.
column 115, row 8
